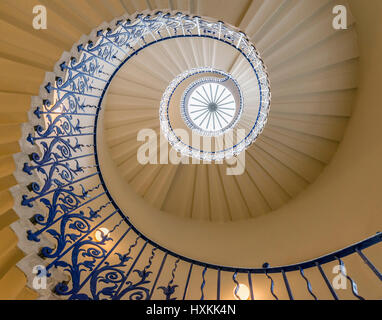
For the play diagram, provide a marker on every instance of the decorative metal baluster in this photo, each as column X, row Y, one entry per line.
column 108, row 39
column 187, row 281
column 308, row 285
column 266, row 266
column 170, row 289
column 327, row 281
column 353, row 284
column 50, row 265
column 121, row 38
column 130, row 43
column 237, row 285
column 101, row 262
column 218, row 285
column 369, row 264
column 90, row 250
column 287, row 285
column 60, row 127
column 109, row 276
column 250, row 285
column 74, row 73
column 198, row 25
column 43, row 138
column 29, row 201
column 92, row 189
column 37, row 219
column 158, row 274
column 148, row 266
column 81, row 48
column 28, row 168
column 71, row 228
column 116, row 295
column 272, row 285
column 148, row 30
column 137, row 289
column 203, row 283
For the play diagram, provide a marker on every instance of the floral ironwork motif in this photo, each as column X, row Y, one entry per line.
column 62, row 186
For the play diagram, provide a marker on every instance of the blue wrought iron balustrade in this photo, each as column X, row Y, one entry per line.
column 64, row 200
column 116, row 280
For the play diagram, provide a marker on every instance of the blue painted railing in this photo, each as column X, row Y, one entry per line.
column 67, row 197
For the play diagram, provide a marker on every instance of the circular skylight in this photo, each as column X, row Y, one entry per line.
column 211, row 106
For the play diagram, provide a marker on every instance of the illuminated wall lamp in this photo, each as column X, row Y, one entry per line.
column 100, row 234
column 242, row 292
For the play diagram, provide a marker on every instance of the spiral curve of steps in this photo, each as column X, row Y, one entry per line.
column 311, row 102
column 313, row 85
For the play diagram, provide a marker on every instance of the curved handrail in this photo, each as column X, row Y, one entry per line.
column 56, row 181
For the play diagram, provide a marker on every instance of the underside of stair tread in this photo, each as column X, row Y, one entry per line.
column 312, row 84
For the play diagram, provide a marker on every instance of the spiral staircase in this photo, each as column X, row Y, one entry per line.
column 76, row 199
